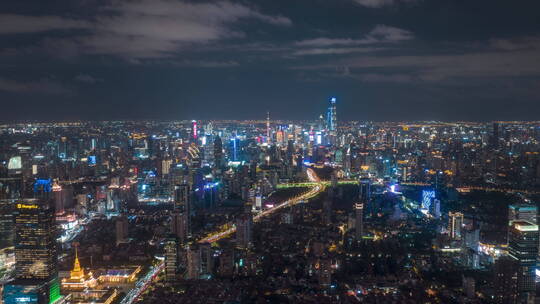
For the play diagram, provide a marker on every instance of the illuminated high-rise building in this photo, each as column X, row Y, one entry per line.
column 364, row 190
column 523, row 248
column 182, row 197
column 206, row 258
column 181, row 219
column 435, row 209
column 268, row 131
column 522, row 212
column 179, row 226
column 193, row 263
column 13, row 187
column 505, row 280
column 35, row 240
column 208, row 150
column 194, row 157
column 455, row 224
column 234, row 149
column 35, row 254
column 331, row 116
column 171, row 259
column 427, row 199
column 280, row 136
column 359, row 221
column 63, row 197
column 194, row 130
column 364, row 195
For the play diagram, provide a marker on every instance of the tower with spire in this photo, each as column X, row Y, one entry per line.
column 331, row 121
column 77, row 272
column 78, row 280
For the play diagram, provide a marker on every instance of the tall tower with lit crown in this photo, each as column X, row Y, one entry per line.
column 268, row 133
column 331, row 116
column 331, row 122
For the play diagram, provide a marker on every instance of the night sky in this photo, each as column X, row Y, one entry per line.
column 171, row 59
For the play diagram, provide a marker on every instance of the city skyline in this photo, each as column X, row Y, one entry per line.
column 256, row 151
column 323, row 211
column 384, row 60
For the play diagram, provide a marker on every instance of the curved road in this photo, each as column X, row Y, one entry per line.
column 318, row 188
column 143, row 283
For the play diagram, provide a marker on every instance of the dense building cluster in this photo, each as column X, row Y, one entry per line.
column 263, row 211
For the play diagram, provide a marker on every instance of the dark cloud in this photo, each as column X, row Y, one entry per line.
column 150, row 29
column 42, row 86
column 17, row 24
column 519, row 43
column 379, row 34
column 441, row 67
column 144, row 28
column 334, row 51
column 230, row 58
column 88, row 79
column 380, row 3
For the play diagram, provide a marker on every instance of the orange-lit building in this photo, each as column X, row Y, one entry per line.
column 78, row 280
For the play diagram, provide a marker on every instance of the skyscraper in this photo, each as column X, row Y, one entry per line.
column 35, row 240
column 359, row 221
column 208, row 150
column 364, row 190
column 171, row 259
column 364, row 194
column 505, row 280
column 179, row 226
column 218, row 152
column 331, row 116
column 427, row 199
column 268, row 131
column 193, row 263
column 206, row 258
column 121, row 230
column 194, row 156
column 182, row 197
column 523, row 247
column 522, row 212
column 13, row 187
column 35, row 254
column 331, row 121
column 194, row 130
column 435, row 209
column 455, row 224
column 243, row 230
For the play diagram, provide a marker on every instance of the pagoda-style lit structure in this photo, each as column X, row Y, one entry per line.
column 78, row 280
